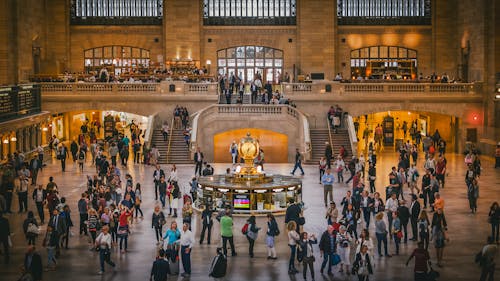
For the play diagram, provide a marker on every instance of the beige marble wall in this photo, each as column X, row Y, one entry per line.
column 181, row 29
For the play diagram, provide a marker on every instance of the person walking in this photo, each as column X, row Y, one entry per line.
column 494, row 220
column 422, row 259
column 305, row 244
column 272, row 231
column 332, row 214
column 157, row 222
column 328, row 155
column 328, row 248
column 226, row 231
column 327, row 180
column 293, row 237
column 39, row 196
column 33, row 263
column 322, row 166
column 83, row 209
column 423, row 228
column 439, row 228
column 298, row 162
column 51, row 242
column 30, row 228
column 157, row 174
column 198, row 161
column 404, row 218
column 62, row 155
column 251, row 234
column 397, row 234
column 123, row 229
column 138, row 200
column 414, row 214
column 22, row 189
column 5, row 237
column 103, row 243
column 293, row 213
column 207, row 222
column 340, row 167
column 344, row 248
column 160, row 269
column 81, row 159
column 472, row 195
column 187, row 243
column 362, row 264
column 487, row 260
column 381, row 234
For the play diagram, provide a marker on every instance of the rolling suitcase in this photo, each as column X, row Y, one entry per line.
column 173, row 265
column 219, row 266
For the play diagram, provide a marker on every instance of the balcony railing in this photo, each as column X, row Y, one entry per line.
column 168, row 87
column 329, row 88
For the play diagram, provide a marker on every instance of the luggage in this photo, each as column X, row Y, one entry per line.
column 174, row 266
column 218, row 267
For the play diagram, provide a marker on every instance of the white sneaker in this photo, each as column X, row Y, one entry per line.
column 100, row 272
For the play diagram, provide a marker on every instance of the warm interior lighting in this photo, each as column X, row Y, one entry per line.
column 13, row 139
column 209, row 62
column 238, row 169
column 45, row 129
column 6, row 141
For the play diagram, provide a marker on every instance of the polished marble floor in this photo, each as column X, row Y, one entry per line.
column 467, row 232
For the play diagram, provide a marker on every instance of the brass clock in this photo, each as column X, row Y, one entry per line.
column 248, row 148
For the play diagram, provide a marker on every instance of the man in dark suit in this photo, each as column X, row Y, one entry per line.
column 328, row 155
column 33, row 263
column 206, row 217
column 404, row 217
column 58, row 223
column 414, row 214
column 160, row 269
column 198, row 160
column 293, row 214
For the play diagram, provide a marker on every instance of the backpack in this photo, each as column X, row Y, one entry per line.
column 244, row 229
column 81, row 156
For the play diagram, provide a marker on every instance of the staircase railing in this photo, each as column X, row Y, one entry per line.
column 329, row 125
column 152, row 124
column 353, row 138
column 170, row 138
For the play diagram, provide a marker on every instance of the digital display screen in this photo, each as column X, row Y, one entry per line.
column 241, row 201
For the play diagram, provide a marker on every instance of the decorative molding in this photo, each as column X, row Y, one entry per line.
column 249, row 31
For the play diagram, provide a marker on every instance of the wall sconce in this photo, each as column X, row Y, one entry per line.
column 209, row 62
column 45, row 129
column 6, row 141
column 13, row 139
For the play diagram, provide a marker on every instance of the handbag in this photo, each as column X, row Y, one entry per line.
column 399, row 234
column 301, row 221
column 335, row 259
column 33, row 229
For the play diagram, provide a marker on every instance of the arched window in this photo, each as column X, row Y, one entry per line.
column 384, row 12
column 118, row 59
column 378, row 62
column 248, row 61
column 126, row 12
column 249, row 12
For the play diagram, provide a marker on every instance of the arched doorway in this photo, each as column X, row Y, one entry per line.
column 274, row 145
column 247, row 61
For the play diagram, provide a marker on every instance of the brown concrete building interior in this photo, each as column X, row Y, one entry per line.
column 456, row 38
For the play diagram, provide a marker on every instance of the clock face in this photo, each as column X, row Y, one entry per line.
column 248, row 149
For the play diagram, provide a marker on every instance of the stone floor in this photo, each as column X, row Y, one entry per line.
column 467, row 232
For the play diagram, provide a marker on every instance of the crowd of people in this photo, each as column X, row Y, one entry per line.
column 112, row 204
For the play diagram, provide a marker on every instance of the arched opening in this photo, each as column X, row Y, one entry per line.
column 274, row 145
column 399, row 127
column 248, row 61
column 384, row 62
column 117, row 59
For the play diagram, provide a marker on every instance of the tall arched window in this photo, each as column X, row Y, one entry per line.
column 247, row 61
column 118, row 59
column 377, row 62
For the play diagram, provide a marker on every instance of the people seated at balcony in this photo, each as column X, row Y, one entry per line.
column 338, row 77
column 445, row 78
